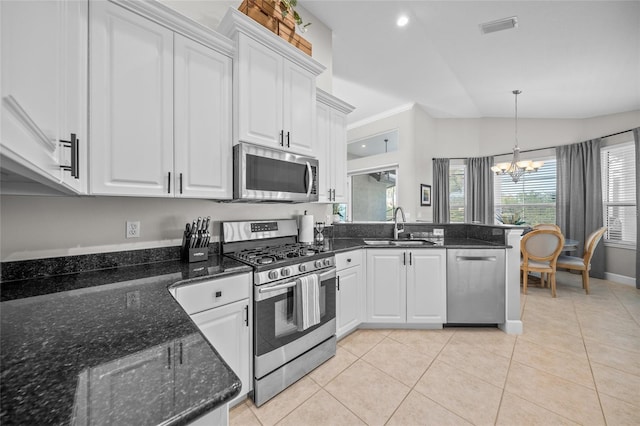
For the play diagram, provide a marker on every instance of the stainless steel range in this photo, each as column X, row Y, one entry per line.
column 285, row 346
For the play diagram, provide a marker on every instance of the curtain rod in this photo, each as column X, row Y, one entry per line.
column 539, row 149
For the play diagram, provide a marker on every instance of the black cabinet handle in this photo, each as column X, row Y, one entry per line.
column 181, row 183
column 404, row 258
column 246, row 315
column 169, row 357
column 410, row 253
column 338, row 282
column 180, row 352
column 218, row 294
column 288, row 140
column 169, row 184
column 348, row 260
column 75, row 156
column 281, row 137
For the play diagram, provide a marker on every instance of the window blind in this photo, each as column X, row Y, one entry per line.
column 532, row 198
column 619, row 193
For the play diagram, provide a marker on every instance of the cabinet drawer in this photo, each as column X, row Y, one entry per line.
column 348, row 259
column 209, row 294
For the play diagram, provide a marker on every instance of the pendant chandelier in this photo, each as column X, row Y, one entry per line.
column 516, row 168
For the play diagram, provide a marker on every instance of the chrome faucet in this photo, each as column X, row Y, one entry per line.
column 398, row 227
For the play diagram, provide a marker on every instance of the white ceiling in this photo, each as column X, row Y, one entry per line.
column 571, row 59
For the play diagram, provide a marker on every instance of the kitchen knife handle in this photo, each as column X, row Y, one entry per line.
column 169, row 184
column 181, row 183
column 288, row 139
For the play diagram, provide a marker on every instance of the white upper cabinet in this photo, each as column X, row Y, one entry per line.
column 160, row 109
column 44, row 93
column 131, row 97
column 275, row 85
column 202, row 123
column 331, row 147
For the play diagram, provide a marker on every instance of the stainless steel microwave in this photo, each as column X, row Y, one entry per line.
column 266, row 174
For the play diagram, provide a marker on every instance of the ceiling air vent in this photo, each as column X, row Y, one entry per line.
column 499, row 25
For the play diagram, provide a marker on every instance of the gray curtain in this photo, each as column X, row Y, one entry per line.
column 440, row 190
column 479, row 190
column 636, row 137
column 579, row 196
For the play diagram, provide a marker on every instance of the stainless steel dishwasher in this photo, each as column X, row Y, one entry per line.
column 475, row 286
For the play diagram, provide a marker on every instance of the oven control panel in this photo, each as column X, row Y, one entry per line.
column 290, row 271
column 264, row 226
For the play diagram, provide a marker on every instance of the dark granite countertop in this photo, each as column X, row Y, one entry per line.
column 345, row 244
column 109, row 346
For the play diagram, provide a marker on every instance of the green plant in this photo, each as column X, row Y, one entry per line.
column 510, row 219
column 288, row 6
column 336, row 210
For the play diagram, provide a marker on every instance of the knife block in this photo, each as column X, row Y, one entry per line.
column 199, row 254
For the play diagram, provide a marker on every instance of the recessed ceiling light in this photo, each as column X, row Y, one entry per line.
column 499, row 25
column 402, row 21
column 364, row 146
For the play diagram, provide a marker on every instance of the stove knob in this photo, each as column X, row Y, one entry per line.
column 273, row 275
column 285, row 272
column 302, row 268
column 327, row 262
column 318, row 263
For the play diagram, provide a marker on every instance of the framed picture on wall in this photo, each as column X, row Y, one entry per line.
column 425, row 195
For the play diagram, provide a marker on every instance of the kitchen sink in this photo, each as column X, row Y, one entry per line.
column 398, row 243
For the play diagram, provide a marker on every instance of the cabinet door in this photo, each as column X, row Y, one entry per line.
column 349, row 300
column 44, row 87
column 427, row 286
column 299, row 109
column 322, row 148
column 386, row 287
column 202, row 143
column 131, row 99
column 227, row 329
column 115, row 387
column 258, row 114
column 339, row 156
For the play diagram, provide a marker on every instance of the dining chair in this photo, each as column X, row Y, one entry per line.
column 547, row 226
column 583, row 263
column 540, row 250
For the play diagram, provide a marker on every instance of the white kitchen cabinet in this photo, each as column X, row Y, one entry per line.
column 276, row 99
column 274, row 88
column 203, row 99
column 331, row 147
column 222, row 311
column 406, row 286
column 160, row 110
column 350, row 296
column 44, row 94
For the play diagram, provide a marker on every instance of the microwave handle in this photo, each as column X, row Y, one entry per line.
column 309, row 179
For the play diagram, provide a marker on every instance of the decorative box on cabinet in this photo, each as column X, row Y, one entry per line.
column 350, row 295
column 331, row 147
column 156, row 132
column 275, row 87
column 406, row 286
column 44, row 96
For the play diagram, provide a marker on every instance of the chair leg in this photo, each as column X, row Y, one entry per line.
column 525, row 275
column 585, row 281
column 552, row 276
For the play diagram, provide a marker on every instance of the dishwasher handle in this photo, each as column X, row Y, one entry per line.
column 476, row 258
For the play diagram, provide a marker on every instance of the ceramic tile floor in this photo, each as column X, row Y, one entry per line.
column 577, row 362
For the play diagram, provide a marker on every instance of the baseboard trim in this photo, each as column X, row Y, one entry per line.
column 511, row 327
column 620, row 279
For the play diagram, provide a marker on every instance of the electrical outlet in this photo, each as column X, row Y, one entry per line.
column 133, row 299
column 438, row 231
column 133, row 229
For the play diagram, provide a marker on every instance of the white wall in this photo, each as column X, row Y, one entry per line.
column 35, row 227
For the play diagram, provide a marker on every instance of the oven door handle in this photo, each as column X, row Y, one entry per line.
column 309, row 179
column 277, row 287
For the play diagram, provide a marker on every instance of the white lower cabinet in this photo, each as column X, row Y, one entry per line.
column 222, row 311
column 350, row 296
column 406, row 286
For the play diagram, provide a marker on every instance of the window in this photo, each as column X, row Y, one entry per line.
column 373, row 195
column 619, row 193
column 456, row 192
column 532, row 198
